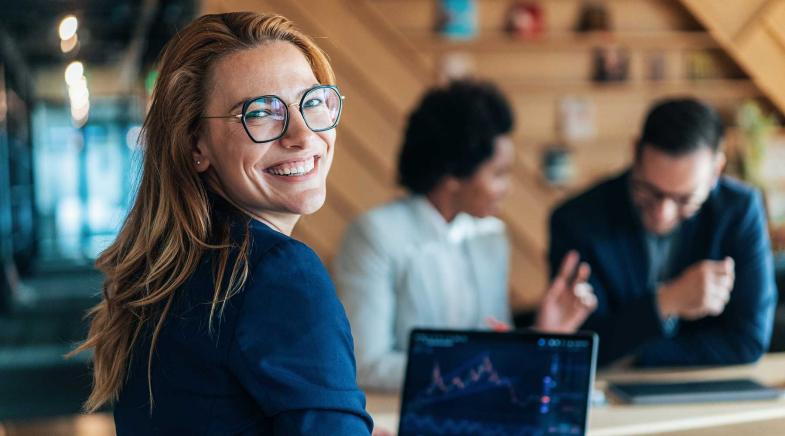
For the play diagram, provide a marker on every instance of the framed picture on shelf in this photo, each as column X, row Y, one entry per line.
column 655, row 66
column 577, row 119
column 701, row 65
column 525, row 20
column 593, row 17
column 557, row 165
column 611, row 63
column 457, row 19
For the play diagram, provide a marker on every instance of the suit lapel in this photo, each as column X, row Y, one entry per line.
column 696, row 239
column 628, row 238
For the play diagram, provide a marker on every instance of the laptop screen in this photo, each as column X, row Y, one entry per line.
column 489, row 383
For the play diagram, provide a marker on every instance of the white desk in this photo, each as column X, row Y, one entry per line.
column 753, row 418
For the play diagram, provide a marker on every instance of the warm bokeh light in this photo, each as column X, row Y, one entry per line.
column 80, row 112
column 67, row 45
column 68, row 27
column 73, row 72
column 78, row 94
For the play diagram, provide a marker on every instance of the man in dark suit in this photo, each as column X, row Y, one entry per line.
column 680, row 255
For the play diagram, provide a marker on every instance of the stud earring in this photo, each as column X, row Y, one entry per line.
column 198, row 162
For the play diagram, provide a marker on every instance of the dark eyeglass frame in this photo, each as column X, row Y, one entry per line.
column 654, row 193
column 247, row 103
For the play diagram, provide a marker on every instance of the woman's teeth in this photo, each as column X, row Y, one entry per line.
column 293, row 169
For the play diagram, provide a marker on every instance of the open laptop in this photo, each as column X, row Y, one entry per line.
column 490, row 383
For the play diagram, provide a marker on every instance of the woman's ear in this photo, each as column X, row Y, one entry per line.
column 451, row 184
column 199, row 154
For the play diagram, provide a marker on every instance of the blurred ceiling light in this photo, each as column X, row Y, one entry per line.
column 79, row 122
column 133, row 138
column 79, row 113
column 68, row 27
column 80, row 100
column 77, row 86
column 79, row 95
column 66, row 45
column 73, row 72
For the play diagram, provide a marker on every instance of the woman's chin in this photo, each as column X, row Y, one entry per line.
column 309, row 204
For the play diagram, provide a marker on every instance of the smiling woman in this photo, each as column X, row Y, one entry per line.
column 214, row 319
column 283, row 175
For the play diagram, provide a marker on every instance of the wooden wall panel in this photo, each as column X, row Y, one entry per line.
column 528, row 277
column 322, row 231
column 751, row 33
column 341, row 32
column 775, row 22
column 758, row 45
column 730, row 15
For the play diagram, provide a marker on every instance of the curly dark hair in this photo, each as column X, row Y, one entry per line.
column 451, row 133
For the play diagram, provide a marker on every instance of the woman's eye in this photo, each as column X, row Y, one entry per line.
column 262, row 114
column 313, row 102
column 257, row 114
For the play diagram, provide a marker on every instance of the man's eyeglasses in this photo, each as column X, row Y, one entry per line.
column 266, row 118
column 649, row 194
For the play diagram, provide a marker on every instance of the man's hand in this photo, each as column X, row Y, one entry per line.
column 569, row 300
column 703, row 289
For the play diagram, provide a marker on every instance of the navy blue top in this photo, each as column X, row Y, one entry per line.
column 279, row 362
column 604, row 227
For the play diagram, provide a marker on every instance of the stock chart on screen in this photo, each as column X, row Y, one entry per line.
column 471, row 383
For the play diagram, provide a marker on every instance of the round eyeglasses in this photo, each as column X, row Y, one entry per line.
column 266, row 118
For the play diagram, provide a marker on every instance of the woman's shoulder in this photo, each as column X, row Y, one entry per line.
column 386, row 221
column 270, row 246
column 384, row 230
column 276, row 258
column 287, row 282
column 264, row 238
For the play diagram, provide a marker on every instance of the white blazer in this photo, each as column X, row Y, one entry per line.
column 401, row 266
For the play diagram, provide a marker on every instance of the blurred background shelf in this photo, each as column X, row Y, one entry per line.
column 498, row 40
column 735, row 88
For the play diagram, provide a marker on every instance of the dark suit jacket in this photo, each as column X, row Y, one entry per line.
column 279, row 362
column 603, row 226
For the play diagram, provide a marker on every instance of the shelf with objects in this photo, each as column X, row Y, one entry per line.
column 580, row 75
column 499, row 40
column 578, row 72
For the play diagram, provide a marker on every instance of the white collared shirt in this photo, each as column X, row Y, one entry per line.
column 403, row 266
